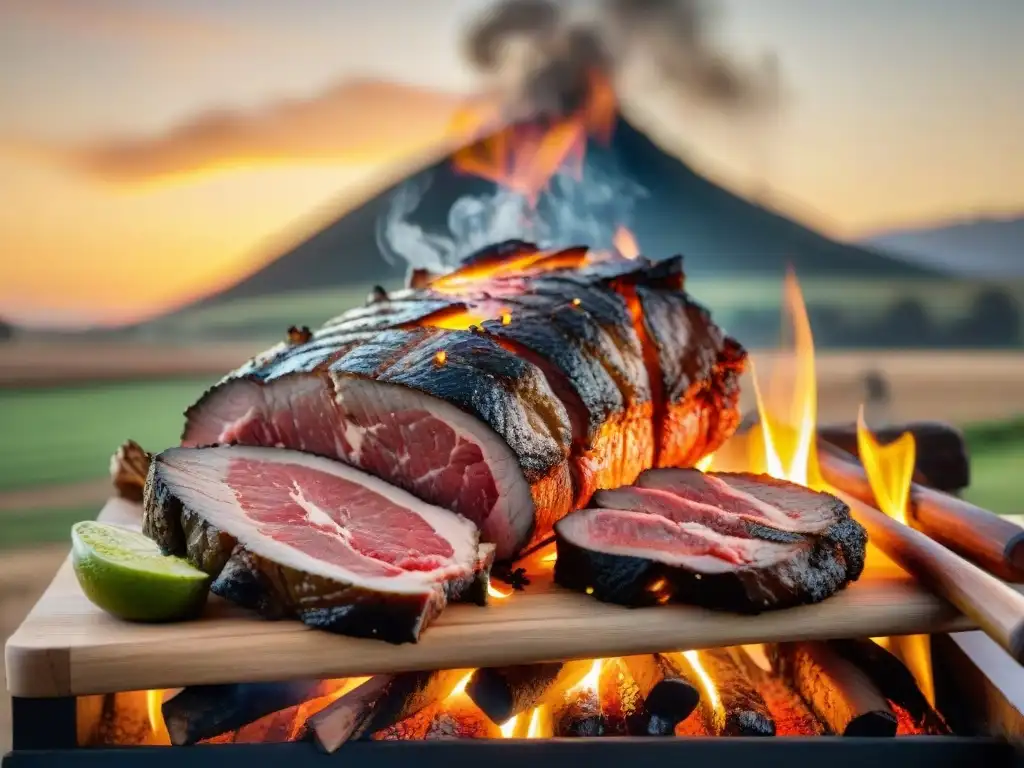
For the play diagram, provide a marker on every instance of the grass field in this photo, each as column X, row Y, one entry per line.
column 64, row 435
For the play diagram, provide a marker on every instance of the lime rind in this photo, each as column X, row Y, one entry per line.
column 124, row 573
column 125, row 548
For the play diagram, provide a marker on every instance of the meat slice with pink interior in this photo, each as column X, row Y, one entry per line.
column 736, row 542
column 449, row 416
column 294, row 535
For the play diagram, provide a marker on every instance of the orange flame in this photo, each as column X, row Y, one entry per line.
column 493, row 591
column 524, row 158
column 890, row 471
column 890, row 468
column 788, row 407
column 591, row 680
column 707, row 685
column 625, row 243
column 472, row 276
column 460, row 687
column 508, row 728
column 537, row 719
column 154, row 705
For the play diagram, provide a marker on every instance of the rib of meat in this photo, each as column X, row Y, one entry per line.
column 508, row 391
column 290, row 534
column 738, row 542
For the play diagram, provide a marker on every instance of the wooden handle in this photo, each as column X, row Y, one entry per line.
column 994, row 543
column 997, row 608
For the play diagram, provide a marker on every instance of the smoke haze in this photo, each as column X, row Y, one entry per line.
column 545, row 50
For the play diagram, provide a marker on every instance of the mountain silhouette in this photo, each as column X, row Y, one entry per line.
column 976, row 248
column 718, row 232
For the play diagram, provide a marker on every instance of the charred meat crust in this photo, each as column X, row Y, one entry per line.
column 576, row 365
column 507, row 393
column 277, row 591
column 478, row 377
column 820, row 565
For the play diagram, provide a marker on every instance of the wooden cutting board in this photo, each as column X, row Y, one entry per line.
column 66, row 646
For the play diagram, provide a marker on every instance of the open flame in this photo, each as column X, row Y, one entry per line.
column 497, row 594
column 890, row 468
column 707, row 685
column 154, row 702
column 592, row 680
column 625, row 243
column 524, row 157
column 786, row 447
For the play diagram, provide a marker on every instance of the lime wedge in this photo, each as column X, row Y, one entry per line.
column 125, row 574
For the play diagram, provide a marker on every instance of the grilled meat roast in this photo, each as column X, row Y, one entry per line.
column 294, row 535
column 509, row 390
column 731, row 541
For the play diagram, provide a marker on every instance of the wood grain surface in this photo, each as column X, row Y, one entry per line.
column 67, row 646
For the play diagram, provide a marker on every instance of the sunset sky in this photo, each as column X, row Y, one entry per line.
column 152, row 150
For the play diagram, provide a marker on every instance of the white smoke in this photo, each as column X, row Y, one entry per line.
column 585, row 210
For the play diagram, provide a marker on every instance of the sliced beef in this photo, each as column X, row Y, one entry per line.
column 697, row 370
column 447, row 415
column 290, row 534
column 736, row 542
column 508, row 391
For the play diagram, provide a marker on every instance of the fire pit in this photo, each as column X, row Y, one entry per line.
column 545, row 675
column 803, row 694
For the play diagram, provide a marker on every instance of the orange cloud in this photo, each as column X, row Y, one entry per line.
column 353, row 123
column 119, row 21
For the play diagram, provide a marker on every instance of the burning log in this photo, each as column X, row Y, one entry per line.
column 459, row 718
column 838, row 691
column 669, row 696
column 578, row 713
column 504, row 692
column 895, row 681
column 202, row 712
column 941, row 460
column 378, row 703
column 730, row 706
column 622, row 705
column 994, row 543
column 791, row 714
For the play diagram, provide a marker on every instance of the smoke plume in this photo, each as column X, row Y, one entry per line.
column 543, row 54
column 572, row 210
column 546, row 50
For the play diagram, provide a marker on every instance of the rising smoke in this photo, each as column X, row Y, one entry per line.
column 543, row 54
column 545, row 50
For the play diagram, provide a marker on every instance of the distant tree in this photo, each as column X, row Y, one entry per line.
column 994, row 321
column 906, row 324
column 6, row 330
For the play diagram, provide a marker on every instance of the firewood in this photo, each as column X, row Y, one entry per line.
column 504, row 692
column 736, row 709
column 460, row 718
column 378, row 703
column 669, row 695
column 838, row 691
column 894, row 680
column 201, row 712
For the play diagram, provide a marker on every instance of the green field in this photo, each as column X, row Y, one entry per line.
column 66, row 435
column 58, row 436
